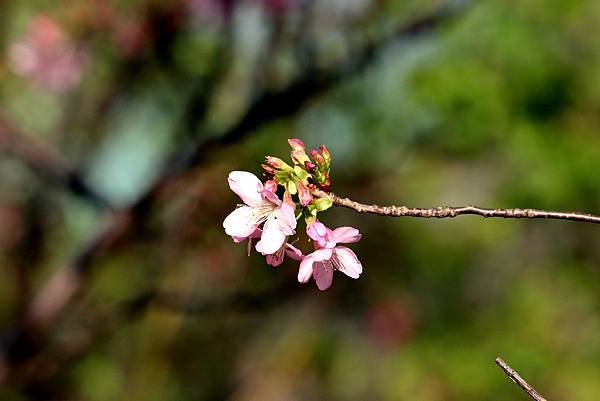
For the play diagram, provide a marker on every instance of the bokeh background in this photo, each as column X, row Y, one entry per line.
column 120, row 120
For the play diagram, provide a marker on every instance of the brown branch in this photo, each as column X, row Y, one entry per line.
column 45, row 159
column 453, row 211
column 515, row 377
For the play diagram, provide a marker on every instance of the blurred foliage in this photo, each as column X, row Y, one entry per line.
column 498, row 107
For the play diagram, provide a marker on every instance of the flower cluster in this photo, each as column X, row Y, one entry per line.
column 271, row 211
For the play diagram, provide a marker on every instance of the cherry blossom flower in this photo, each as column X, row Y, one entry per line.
column 261, row 206
column 329, row 256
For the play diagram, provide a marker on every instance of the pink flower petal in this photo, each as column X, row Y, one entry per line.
column 240, row 223
column 247, row 186
column 316, row 230
column 277, row 258
column 255, row 234
column 323, row 274
column 292, row 252
column 322, row 254
column 306, row 269
column 271, row 197
column 272, row 237
column 345, row 260
column 271, row 186
column 346, row 235
column 322, row 235
column 286, row 219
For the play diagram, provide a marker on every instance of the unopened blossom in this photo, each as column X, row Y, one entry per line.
column 329, row 256
column 298, row 152
column 304, row 193
column 261, row 205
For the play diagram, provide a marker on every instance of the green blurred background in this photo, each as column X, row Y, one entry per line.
column 422, row 103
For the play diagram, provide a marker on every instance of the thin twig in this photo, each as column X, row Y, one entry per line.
column 453, row 211
column 515, row 377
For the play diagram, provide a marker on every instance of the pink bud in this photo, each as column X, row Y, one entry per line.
column 317, row 157
column 304, row 193
column 297, row 144
column 298, row 151
column 275, row 162
column 310, row 166
column 271, row 186
column 325, row 152
column 270, row 170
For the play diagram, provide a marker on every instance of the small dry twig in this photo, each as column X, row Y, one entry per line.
column 515, row 377
column 453, row 211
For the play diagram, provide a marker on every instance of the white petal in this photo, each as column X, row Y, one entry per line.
column 240, row 223
column 322, row 254
column 306, row 269
column 272, row 238
column 247, row 186
column 345, row 260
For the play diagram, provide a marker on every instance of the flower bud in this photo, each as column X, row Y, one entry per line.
column 296, row 144
column 298, row 151
column 271, row 186
column 303, row 193
column 270, row 170
column 326, row 154
column 275, row 162
column 326, row 185
column 310, row 166
column 318, row 158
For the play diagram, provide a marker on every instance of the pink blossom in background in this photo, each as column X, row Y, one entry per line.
column 46, row 56
column 390, row 322
column 210, row 10
column 329, row 256
column 131, row 36
column 261, row 205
